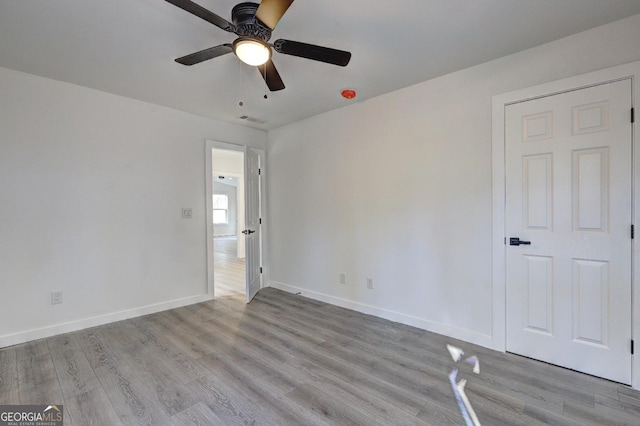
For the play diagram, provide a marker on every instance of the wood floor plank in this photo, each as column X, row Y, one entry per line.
column 436, row 414
column 265, row 401
column 172, row 322
column 494, row 407
column 45, row 392
column 194, row 346
column 301, row 329
column 536, row 415
column 31, row 349
column 629, row 396
column 172, row 396
column 34, row 371
column 156, row 351
column 91, row 408
column 319, row 369
column 130, row 398
column 9, row 394
column 231, row 408
column 72, row 367
column 91, row 344
column 617, row 408
column 164, row 383
column 588, row 415
column 351, row 395
column 239, row 365
column 254, row 344
column 197, row 415
column 333, row 410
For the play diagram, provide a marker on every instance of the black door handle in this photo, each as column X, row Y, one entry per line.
column 248, row 231
column 515, row 241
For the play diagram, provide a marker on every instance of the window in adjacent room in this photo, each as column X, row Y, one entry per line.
column 220, row 209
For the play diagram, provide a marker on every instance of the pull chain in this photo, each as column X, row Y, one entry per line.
column 241, row 103
column 265, row 80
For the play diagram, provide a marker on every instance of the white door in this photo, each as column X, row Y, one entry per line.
column 252, row 230
column 568, row 189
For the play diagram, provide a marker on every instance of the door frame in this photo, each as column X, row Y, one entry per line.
column 498, row 181
column 209, row 145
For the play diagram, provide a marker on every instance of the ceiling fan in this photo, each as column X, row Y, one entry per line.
column 253, row 24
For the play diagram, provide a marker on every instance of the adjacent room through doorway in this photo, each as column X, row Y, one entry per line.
column 228, row 222
column 229, row 269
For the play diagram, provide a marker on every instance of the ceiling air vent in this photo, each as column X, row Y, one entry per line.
column 252, row 119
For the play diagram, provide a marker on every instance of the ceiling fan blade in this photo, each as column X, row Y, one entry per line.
column 311, row 51
column 270, row 11
column 201, row 12
column 206, row 54
column 271, row 76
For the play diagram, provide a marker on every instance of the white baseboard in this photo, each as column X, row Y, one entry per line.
column 53, row 330
column 439, row 328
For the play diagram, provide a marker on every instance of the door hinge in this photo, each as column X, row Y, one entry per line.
column 259, row 171
column 632, row 347
column 505, row 241
column 633, row 232
column 260, row 221
column 633, row 115
column 261, row 269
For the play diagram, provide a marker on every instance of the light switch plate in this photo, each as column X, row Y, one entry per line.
column 56, row 297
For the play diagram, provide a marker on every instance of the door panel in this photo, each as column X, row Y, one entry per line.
column 252, row 222
column 591, row 190
column 539, row 294
column 591, row 301
column 568, row 188
column 537, row 191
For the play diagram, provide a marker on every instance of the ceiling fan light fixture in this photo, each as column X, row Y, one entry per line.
column 251, row 51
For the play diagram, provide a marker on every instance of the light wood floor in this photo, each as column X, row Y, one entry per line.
column 287, row 360
column 229, row 271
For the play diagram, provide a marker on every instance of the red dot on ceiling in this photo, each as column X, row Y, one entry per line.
column 348, row 93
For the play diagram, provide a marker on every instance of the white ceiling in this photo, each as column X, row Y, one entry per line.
column 128, row 47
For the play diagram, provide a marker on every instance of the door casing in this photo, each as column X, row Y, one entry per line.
column 499, row 103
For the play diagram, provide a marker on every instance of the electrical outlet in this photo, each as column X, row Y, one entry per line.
column 370, row 283
column 343, row 278
column 187, row 213
column 56, row 297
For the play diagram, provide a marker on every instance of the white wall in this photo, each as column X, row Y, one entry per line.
column 221, row 230
column 91, row 191
column 398, row 188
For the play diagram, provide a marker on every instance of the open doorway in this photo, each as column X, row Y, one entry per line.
column 228, row 217
column 244, row 234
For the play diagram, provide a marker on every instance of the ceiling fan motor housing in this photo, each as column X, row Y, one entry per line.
column 253, row 24
column 244, row 18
